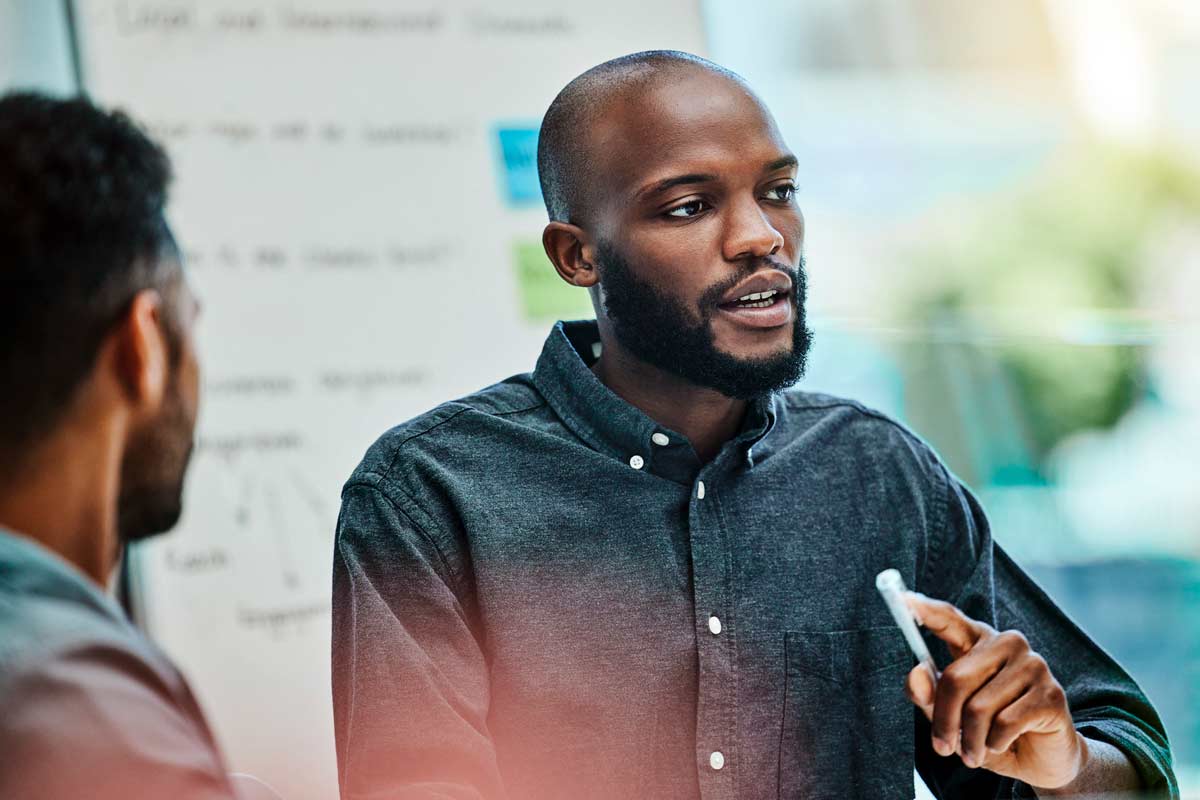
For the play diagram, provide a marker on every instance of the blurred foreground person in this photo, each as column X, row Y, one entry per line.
column 647, row 569
column 98, row 398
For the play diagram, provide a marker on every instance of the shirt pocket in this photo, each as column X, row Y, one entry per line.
column 847, row 724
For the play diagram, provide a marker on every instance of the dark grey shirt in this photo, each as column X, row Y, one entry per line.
column 89, row 708
column 541, row 593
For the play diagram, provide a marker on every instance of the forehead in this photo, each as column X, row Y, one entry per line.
column 688, row 120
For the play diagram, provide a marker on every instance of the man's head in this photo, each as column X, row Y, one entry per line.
column 671, row 197
column 95, row 312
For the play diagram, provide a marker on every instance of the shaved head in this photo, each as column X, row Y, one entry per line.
column 671, row 195
column 565, row 164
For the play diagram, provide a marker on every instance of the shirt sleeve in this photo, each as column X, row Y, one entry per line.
column 969, row 569
column 410, row 679
column 96, row 721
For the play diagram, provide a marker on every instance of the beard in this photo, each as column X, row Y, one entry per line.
column 152, row 471
column 663, row 332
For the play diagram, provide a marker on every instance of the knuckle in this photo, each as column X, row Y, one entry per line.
column 975, row 708
column 997, row 736
column 1014, row 639
column 1038, row 666
column 952, row 681
column 1055, row 695
column 1005, row 720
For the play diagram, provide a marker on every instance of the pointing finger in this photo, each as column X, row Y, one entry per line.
column 946, row 622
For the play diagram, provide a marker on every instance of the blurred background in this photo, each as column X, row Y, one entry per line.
column 1003, row 208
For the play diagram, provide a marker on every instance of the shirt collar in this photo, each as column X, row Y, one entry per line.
column 29, row 568
column 614, row 427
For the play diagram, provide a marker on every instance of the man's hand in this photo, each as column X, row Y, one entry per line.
column 997, row 705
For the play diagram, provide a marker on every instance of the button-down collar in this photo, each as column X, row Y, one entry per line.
column 612, row 426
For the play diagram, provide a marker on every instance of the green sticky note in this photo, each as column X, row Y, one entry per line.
column 544, row 295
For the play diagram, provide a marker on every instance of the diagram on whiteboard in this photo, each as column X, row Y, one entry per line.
column 357, row 203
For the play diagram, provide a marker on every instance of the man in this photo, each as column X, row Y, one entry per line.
column 98, row 398
column 647, row 571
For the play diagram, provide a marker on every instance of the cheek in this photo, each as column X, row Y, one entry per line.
column 682, row 261
column 790, row 223
column 189, row 381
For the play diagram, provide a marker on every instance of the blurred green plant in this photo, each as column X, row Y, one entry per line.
column 1043, row 282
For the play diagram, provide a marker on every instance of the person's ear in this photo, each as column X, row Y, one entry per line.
column 571, row 252
column 142, row 354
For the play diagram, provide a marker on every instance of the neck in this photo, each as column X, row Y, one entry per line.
column 705, row 416
column 64, row 497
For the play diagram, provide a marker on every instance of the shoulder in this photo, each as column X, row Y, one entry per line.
column 100, row 706
column 64, row 643
column 105, row 697
column 804, row 410
column 42, row 614
column 847, row 430
column 57, row 631
column 449, row 428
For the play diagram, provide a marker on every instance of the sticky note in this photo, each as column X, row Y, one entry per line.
column 544, row 296
column 518, row 165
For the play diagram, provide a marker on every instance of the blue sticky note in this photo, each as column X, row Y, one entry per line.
column 518, row 162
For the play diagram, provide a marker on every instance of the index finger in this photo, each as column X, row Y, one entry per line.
column 946, row 622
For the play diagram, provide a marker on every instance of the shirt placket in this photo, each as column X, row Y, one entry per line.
column 715, row 731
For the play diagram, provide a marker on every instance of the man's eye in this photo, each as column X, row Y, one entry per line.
column 688, row 209
column 783, row 192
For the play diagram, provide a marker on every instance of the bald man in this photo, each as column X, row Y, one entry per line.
column 646, row 570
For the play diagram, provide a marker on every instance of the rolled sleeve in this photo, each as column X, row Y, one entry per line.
column 1107, row 705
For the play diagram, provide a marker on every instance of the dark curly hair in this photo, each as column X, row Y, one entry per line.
column 82, row 194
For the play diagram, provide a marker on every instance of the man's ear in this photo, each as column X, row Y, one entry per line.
column 571, row 252
column 142, row 355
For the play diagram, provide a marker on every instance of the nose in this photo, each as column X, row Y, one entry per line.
column 749, row 233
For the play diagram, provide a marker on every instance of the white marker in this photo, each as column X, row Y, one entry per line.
column 891, row 586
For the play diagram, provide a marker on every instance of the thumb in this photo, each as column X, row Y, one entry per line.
column 921, row 689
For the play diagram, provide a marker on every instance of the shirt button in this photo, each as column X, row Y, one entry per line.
column 700, row 490
column 716, row 760
column 637, row 462
column 714, row 625
column 660, row 439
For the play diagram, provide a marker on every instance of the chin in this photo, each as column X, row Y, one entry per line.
column 765, row 346
column 148, row 513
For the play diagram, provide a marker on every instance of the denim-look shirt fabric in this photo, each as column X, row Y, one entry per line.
column 539, row 592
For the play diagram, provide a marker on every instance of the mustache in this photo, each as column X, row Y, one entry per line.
column 711, row 297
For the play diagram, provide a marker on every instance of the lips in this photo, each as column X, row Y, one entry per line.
column 757, row 288
column 761, row 301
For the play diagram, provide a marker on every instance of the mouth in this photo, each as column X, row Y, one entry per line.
column 766, row 309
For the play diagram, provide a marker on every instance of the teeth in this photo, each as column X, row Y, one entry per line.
column 758, row 296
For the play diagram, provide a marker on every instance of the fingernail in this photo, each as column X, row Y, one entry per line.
column 942, row 747
column 969, row 760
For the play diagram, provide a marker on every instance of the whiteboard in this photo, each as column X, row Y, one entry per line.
column 356, row 201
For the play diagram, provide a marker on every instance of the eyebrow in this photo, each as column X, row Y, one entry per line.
column 678, row 180
column 705, row 177
column 787, row 161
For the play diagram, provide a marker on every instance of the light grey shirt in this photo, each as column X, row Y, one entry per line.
column 90, row 708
